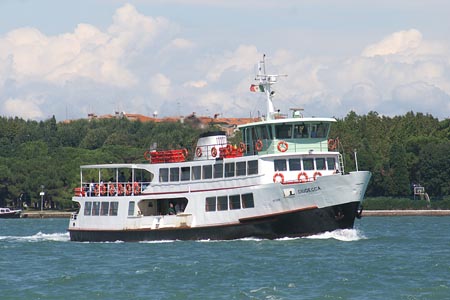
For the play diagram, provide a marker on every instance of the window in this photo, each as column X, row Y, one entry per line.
column 207, row 172
column 279, row 165
column 218, row 170
column 229, row 170
column 104, row 207
column 196, row 172
column 295, row 164
column 163, row 175
column 308, row 164
column 247, row 200
column 174, row 174
column 113, row 208
column 241, row 168
column 131, row 208
column 210, row 204
column 300, row 131
column 235, row 202
column 87, row 208
column 95, row 208
column 222, row 203
column 331, row 162
column 320, row 164
column 252, row 167
column 185, row 173
column 283, row 131
column 322, row 130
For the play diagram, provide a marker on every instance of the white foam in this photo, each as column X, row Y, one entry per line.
column 39, row 237
column 345, row 235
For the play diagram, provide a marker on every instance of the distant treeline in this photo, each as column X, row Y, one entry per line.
column 399, row 151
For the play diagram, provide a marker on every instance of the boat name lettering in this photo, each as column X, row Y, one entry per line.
column 309, row 190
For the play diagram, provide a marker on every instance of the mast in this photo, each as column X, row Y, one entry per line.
column 265, row 82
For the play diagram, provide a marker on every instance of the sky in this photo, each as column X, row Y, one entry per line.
column 175, row 57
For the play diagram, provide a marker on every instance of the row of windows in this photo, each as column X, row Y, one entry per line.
column 306, row 164
column 100, row 208
column 218, row 170
column 229, row 202
column 288, row 131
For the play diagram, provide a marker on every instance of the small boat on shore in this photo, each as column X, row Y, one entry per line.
column 285, row 179
column 6, row 213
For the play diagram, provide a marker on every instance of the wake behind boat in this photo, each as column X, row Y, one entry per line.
column 285, row 179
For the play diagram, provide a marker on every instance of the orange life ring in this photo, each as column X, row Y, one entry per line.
column 102, row 189
column 302, row 174
column 128, row 191
column 185, row 153
column 331, row 144
column 229, row 149
column 278, row 175
column 282, row 146
column 136, row 188
column 96, row 190
column 112, row 189
column 147, row 155
column 120, row 189
column 198, row 152
column 242, row 147
column 317, row 174
column 213, row 152
column 259, row 145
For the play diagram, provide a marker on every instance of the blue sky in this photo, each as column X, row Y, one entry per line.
column 71, row 58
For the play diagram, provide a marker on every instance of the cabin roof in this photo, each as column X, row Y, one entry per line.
column 289, row 120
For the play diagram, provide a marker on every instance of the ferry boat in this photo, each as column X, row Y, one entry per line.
column 285, row 179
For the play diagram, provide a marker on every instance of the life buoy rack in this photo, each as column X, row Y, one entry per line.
column 278, row 175
column 332, row 144
column 213, row 152
column 302, row 177
column 316, row 175
column 282, row 146
column 198, row 152
column 258, row 145
column 242, row 147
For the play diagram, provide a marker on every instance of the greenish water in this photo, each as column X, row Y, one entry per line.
column 382, row 258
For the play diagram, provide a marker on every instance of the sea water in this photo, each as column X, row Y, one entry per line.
column 382, row 258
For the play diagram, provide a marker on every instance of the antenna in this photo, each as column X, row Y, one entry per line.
column 265, row 85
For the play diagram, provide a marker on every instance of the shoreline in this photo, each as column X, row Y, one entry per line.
column 365, row 213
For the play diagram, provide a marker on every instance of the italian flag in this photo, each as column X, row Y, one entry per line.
column 256, row 88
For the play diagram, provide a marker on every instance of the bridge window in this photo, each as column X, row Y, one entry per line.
column 283, row 131
column 300, row 131
column 279, row 165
